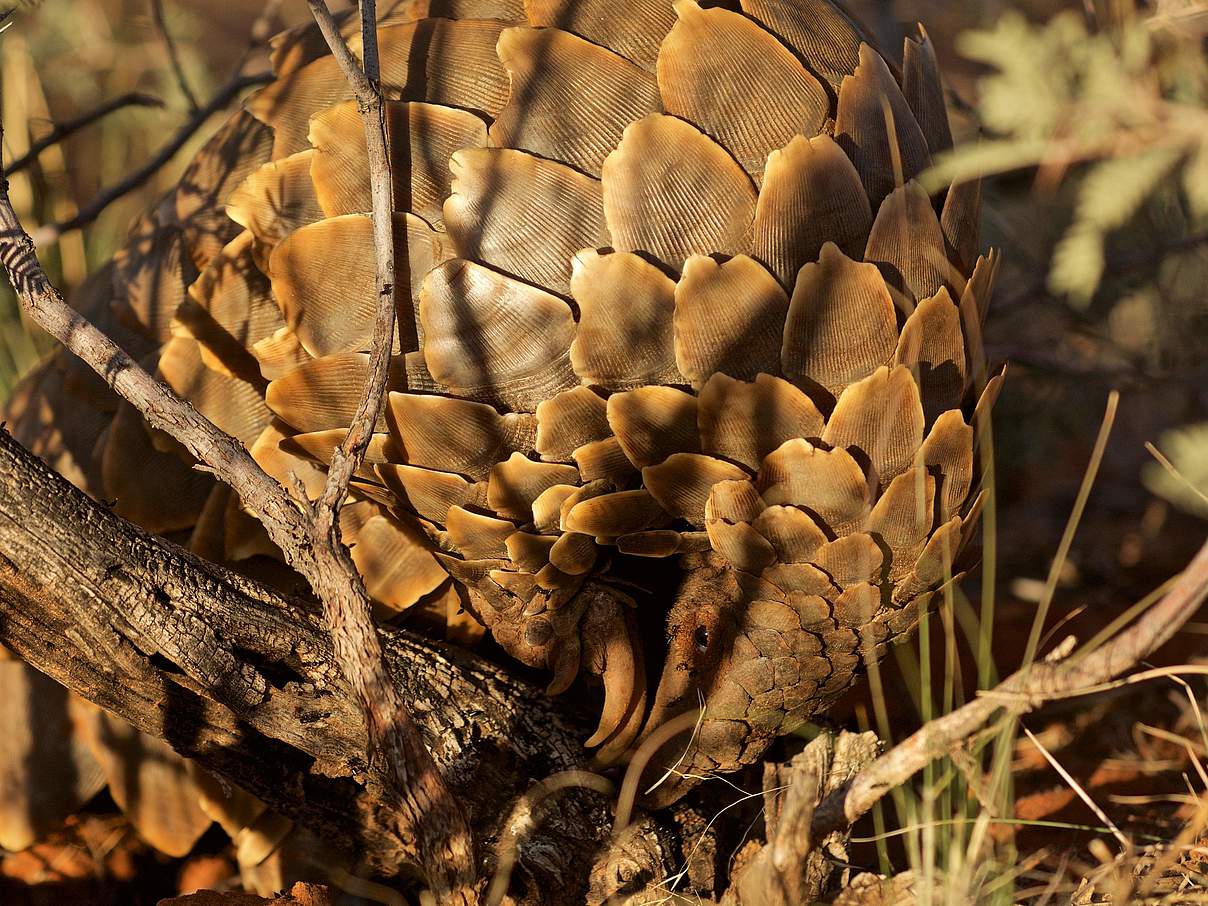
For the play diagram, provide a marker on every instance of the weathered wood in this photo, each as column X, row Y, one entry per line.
column 244, row 680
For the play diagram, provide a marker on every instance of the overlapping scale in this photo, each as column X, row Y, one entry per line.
column 522, row 214
column 232, row 404
column 811, row 195
column 882, row 417
column 827, row 483
column 906, row 243
column 568, row 421
column 634, row 32
column 393, row 559
column 322, row 393
column 820, row 33
column 421, row 137
column 721, row 71
column 745, row 421
column 625, row 336
column 275, row 200
column 672, row 191
column 441, row 61
column 960, row 222
column 681, row 483
column 455, row 435
column 229, row 309
column 149, row 277
column 933, row 346
column 518, row 481
column 489, row 336
column 154, row 488
column 924, row 91
column 729, row 318
column 570, row 99
column 841, row 323
column 323, row 278
column 430, row 493
column 651, row 423
column 877, row 129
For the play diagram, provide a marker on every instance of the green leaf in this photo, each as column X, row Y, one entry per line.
column 985, row 158
column 1077, row 264
column 1114, row 189
column 1111, row 192
column 1187, row 487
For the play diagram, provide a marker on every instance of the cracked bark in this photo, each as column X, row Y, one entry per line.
column 245, row 681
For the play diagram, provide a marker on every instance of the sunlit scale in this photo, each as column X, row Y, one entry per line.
column 668, row 295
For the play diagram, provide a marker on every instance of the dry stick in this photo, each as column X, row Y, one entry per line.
column 68, row 127
column 91, row 211
column 443, row 837
column 1024, row 691
column 161, row 25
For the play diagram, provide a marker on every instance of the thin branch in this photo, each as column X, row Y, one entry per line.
column 443, row 837
column 91, row 211
column 68, row 127
column 1024, row 691
column 161, row 26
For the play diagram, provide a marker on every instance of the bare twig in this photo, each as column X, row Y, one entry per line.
column 93, row 209
column 75, row 124
column 161, row 26
column 351, row 452
column 1024, row 691
column 445, row 844
column 161, row 407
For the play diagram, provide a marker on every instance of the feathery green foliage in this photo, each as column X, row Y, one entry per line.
column 1121, row 111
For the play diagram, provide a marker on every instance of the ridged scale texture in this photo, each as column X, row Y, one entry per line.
column 672, row 305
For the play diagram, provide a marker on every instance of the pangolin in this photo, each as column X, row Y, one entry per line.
column 681, row 344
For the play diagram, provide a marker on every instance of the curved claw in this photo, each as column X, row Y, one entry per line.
column 623, row 671
column 566, row 666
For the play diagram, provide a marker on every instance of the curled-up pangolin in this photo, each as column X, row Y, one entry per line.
column 673, row 313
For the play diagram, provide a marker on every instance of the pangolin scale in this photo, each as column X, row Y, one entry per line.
column 673, row 314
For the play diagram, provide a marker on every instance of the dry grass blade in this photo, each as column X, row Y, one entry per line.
column 1025, row 690
column 1174, row 472
column 1077, row 788
column 1067, row 538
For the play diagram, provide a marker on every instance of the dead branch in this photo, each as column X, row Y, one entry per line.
column 94, row 208
column 795, row 863
column 246, row 681
column 1020, row 693
column 75, row 124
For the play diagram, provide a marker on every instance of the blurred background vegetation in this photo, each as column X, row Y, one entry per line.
column 65, row 58
column 1089, row 122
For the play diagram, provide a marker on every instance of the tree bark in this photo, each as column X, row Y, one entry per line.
column 244, row 680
